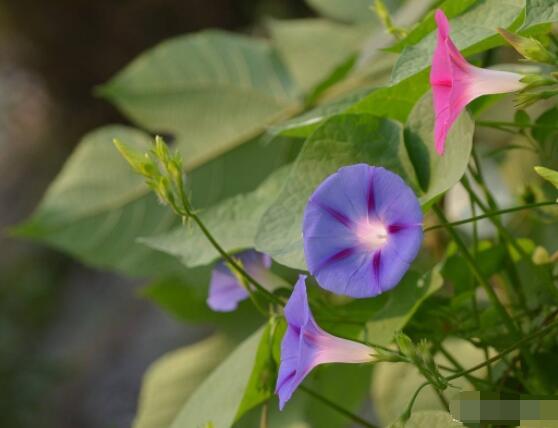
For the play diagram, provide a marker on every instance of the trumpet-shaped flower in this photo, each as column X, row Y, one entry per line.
column 225, row 289
column 362, row 228
column 455, row 82
column 305, row 345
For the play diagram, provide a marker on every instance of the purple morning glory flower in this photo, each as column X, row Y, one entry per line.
column 362, row 229
column 225, row 290
column 305, row 345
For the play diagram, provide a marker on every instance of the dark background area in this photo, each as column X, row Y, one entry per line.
column 74, row 342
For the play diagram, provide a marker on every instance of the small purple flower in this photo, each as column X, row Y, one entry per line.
column 362, row 229
column 225, row 290
column 305, row 345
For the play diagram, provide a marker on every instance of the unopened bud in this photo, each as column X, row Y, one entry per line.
column 406, row 345
column 530, row 48
column 541, row 256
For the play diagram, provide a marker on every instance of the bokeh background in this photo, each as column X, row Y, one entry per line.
column 74, row 342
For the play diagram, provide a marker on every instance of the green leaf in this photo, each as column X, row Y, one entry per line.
column 212, row 90
column 436, row 174
column 340, row 141
column 262, row 380
column 396, row 101
column 451, row 8
column 313, row 48
column 548, row 174
column 431, row 419
column 172, row 379
column 218, row 399
column 233, row 223
column 540, row 12
column 344, row 10
column 97, row 207
column 302, row 126
column 472, row 32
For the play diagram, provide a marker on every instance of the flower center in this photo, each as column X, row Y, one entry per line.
column 372, row 235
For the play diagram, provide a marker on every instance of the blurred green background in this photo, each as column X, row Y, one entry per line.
column 74, row 342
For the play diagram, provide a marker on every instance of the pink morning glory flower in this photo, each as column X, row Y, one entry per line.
column 305, row 345
column 455, row 82
column 225, row 290
column 362, row 228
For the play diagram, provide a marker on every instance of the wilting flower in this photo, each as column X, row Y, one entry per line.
column 225, row 289
column 455, row 82
column 362, row 229
column 305, row 345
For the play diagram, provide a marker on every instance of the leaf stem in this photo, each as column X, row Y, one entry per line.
column 489, row 215
column 355, row 418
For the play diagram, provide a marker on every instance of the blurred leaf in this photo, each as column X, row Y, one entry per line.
column 218, row 399
column 313, row 48
column 212, row 90
column 548, row 174
column 451, row 8
column 172, row 379
column 431, row 419
column 233, row 223
column 97, row 207
column 344, row 10
column 546, row 130
column 340, row 141
column 394, row 384
column 540, row 12
column 474, row 31
column 436, row 174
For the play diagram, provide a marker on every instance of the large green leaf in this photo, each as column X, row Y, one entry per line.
column 472, row 32
column 344, row 10
column 233, row 223
column 172, row 379
column 97, row 207
column 450, row 7
column 395, row 102
column 540, row 12
column 212, row 90
column 217, row 401
column 340, row 141
column 313, row 48
column 436, row 173
column 303, row 125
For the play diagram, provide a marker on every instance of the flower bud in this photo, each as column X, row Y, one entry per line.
column 530, row 48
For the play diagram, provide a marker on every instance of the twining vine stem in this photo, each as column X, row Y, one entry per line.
column 489, row 214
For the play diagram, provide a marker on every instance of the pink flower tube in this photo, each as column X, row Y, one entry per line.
column 455, row 82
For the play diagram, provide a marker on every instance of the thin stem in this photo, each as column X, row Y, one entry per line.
column 355, row 418
column 498, row 123
column 489, row 215
column 479, row 366
column 233, row 262
column 506, row 351
column 264, row 416
column 456, row 364
column 512, row 328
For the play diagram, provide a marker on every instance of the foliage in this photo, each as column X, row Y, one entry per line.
column 255, row 125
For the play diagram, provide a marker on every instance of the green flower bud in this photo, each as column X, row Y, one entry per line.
column 530, row 48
